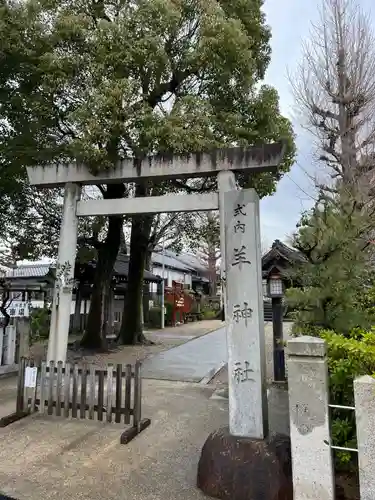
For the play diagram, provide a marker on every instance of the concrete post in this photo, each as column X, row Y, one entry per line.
column 313, row 477
column 11, row 351
column 364, row 395
column 62, row 297
column 226, row 181
column 245, row 330
column 23, row 329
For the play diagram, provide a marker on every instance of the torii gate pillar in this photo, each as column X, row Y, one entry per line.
column 223, row 163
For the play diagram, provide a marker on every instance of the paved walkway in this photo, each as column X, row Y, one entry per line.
column 189, row 362
column 201, row 357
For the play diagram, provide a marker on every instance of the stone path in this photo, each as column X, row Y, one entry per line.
column 190, row 362
column 201, row 357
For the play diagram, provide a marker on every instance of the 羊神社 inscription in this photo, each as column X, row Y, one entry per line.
column 246, row 360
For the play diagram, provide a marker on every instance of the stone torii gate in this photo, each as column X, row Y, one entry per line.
column 240, row 250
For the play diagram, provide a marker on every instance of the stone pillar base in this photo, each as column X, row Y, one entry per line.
column 233, row 468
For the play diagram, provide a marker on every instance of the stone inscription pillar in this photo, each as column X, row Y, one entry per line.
column 62, row 296
column 309, row 423
column 364, row 395
column 245, row 323
column 226, row 181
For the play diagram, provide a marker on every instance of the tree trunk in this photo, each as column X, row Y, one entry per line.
column 131, row 331
column 212, row 260
column 77, row 308
column 96, row 328
column 146, row 292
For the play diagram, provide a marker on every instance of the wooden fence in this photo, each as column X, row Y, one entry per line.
column 111, row 394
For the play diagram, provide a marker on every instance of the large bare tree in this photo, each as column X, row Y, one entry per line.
column 335, row 91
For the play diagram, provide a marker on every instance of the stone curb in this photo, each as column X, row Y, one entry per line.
column 7, row 371
column 211, row 374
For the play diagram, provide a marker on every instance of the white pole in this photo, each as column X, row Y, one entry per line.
column 226, row 181
column 62, row 299
column 162, row 324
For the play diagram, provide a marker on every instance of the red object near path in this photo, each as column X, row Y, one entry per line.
column 181, row 301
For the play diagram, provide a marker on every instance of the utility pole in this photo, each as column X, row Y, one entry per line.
column 162, row 323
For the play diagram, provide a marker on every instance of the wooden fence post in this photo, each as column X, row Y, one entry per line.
column 56, row 380
column 137, row 396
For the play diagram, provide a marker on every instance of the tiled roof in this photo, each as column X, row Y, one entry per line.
column 29, row 271
column 192, row 261
column 279, row 249
column 184, row 262
column 170, row 260
column 121, row 268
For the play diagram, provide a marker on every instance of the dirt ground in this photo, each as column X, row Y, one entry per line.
column 51, row 458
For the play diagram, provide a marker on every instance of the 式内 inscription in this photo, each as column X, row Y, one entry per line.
column 239, row 210
column 240, row 226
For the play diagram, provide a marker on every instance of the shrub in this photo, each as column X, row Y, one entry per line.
column 348, row 358
column 154, row 317
column 209, row 314
column 40, row 320
column 168, row 313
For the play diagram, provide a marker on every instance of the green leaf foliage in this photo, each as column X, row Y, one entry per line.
column 40, row 319
column 97, row 81
column 348, row 358
column 336, row 302
column 119, row 78
column 337, row 268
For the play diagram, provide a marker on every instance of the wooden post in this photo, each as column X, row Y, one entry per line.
column 92, row 379
column 118, row 393
column 137, row 396
column 128, row 393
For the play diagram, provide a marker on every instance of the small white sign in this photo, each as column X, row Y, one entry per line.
column 31, row 376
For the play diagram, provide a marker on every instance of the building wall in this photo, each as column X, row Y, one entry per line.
column 170, row 275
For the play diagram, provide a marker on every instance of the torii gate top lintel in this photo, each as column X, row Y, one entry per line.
column 265, row 157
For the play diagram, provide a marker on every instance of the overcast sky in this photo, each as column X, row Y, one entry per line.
column 290, row 22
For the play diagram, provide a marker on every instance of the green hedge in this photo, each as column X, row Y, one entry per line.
column 348, row 358
column 209, row 314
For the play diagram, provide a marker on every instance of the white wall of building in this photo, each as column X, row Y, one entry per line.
column 19, row 308
column 171, row 275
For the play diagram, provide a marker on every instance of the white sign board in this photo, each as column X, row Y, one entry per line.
column 245, row 322
column 31, row 376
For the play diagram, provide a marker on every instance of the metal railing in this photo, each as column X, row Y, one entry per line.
column 341, row 448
